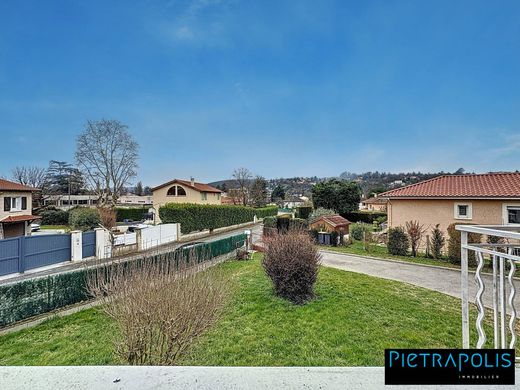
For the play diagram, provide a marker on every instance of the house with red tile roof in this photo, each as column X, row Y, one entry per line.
column 184, row 191
column 331, row 223
column 15, row 209
column 484, row 199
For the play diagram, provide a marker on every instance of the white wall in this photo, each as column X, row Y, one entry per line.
column 158, row 235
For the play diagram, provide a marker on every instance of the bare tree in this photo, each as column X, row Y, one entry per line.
column 107, row 155
column 242, row 177
column 259, row 192
column 32, row 176
column 159, row 304
column 415, row 232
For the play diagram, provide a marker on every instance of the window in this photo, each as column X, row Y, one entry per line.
column 513, row 214
column 463, row 211
column 204, row 195
column 176, row 191
column 15, row 204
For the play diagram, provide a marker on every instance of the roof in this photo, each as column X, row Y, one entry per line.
column 375, row 200
column 488, row 185
column 333, row 220
column 6, row 185
column 19, row 218
column 227, row 200
column 201, row 187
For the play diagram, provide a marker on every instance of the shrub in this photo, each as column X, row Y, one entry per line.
column 398, row 242
column 438, row 242
column 107, row 217
column 55, row 217
column 132, row 213
column 270, row 222
column 415, row 232
column 454, row 244
column 84, row 219
column 366, row 216
column 303, row 212
column 292, row 261
column 195, row 217
column 159, row 310
column 297, row 224
column 356, row 231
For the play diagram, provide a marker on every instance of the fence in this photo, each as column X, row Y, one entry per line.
column 24, row 253
column 21, row 300
column 502, row 249
column 88, row 244
column 158, row 235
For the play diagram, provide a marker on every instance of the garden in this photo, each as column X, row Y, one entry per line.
column 279, row 309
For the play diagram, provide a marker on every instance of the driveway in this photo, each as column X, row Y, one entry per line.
column 444, row 280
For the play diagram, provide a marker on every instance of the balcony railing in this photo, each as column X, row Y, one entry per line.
column 501, row 245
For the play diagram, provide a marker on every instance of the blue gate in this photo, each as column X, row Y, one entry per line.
column 9, row 256
column 89, row 244
column 23, row 253
column 46, row 250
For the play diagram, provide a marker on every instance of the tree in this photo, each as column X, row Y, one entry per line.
column 147, row 191
column 338, row 195
column 242, row 177
column 139, row 189
column 63, row 178
column 107, row 155
column 278, row 194
column 259, row 192
column 438, row 242
column 31, row 176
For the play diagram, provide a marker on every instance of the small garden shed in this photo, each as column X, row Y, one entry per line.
column 331, row 223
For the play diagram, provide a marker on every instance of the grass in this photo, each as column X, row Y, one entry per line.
column 55, row 227
column 381, row 252
column 352, row 320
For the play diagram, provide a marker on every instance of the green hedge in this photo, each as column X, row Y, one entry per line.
column 196, row 217
column 55, row 217
column 303, row 212
column 22, row 300
column 365, row 216
column 133, row 213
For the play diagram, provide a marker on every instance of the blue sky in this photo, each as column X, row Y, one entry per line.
column 285, row 88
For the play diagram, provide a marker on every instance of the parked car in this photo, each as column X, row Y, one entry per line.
column 190, row 245
column 35, row 227
column 137, row 226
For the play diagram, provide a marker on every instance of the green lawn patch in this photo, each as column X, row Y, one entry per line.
column 55, row 227
column 350, row 323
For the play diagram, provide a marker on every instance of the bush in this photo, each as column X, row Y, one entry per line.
column 454, row 244
column 415, row 231
column 196, row 217
column 55, row 217
column 398, row 242
column 366, row 216
column 356, row 231
column 84, row 219
column 438, row 242
column 292, row 261
column 133, row 213
column 270, row 222
column 107, row 217
column 303, row 212
column 297, row 224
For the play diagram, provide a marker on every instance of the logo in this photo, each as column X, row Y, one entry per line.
column 449, row 366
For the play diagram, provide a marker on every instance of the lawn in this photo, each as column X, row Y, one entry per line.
column 55, row 227
column 382, row 252
column 352, row 320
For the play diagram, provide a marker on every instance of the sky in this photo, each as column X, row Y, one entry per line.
column 284, row 88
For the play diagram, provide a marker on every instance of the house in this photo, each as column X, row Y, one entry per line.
column 484, row 199
column 184, row 191
column 16, row 212
column 331, row 223
column 293, row 202
column 376, row 203
column 65, row 201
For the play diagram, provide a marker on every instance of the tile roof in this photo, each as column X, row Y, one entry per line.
column 6, row 185
column 201, row 187
column 375, row 200
column 488, row 185
column 19, row 218
column 334, row 220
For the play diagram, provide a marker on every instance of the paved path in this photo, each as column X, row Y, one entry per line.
column 214, row 378
column 444, row 280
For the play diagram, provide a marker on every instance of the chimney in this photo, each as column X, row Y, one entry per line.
column 192, row 181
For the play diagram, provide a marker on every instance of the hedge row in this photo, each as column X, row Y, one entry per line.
column 55, row 217
column 33, row 297
column 133, row 213
column 196, row 217
column 365, row 216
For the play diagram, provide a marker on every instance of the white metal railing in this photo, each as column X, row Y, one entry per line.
column 503, row 250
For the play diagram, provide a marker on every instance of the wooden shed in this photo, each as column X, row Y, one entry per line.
column 331, row 223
